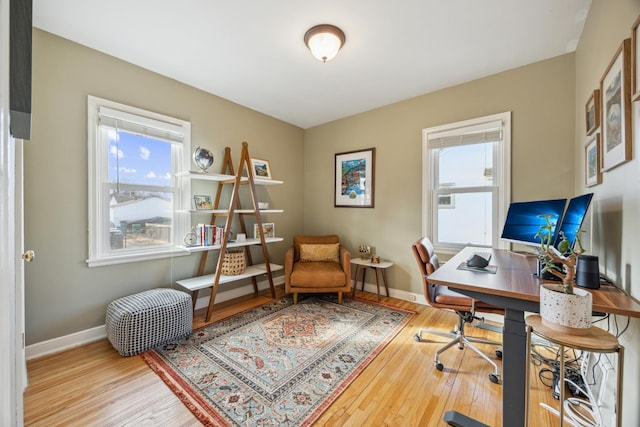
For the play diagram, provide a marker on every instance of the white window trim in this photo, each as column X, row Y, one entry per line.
column 502, row 157
column 98, row 208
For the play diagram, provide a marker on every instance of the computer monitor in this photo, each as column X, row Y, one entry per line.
column 573, row 218
column 524, row 220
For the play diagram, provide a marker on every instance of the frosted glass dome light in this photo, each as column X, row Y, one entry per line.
column 324, row 41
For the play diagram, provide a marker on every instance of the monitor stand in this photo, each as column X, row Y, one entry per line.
column 524, row 253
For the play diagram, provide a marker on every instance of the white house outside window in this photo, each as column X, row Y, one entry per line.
column 133, row 193
column 466, row 182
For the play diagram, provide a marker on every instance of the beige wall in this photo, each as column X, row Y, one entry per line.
column 541, row 99
column 63, row 295
column 616, row 205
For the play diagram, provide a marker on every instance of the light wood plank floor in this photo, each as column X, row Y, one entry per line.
column 93, row 386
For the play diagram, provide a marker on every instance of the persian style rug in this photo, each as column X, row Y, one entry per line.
column 277, row 364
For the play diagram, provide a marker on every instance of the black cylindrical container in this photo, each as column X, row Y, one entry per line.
column 546, row 275
column 588, row 272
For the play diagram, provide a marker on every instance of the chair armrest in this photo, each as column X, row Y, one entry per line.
column 288, row 263
column 345, row 261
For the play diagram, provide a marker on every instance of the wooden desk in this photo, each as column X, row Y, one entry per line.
column 515, row 288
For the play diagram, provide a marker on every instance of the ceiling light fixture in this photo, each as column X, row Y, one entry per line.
column 324, row 41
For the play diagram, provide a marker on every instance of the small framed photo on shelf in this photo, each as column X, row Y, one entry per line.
column 592, row 161
column 354, row 184
column 261, row 168
column 592, row 112
column 616, row 109
column 202, row 202
column 268, row 228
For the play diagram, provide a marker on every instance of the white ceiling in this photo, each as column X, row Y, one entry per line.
column 251, row 51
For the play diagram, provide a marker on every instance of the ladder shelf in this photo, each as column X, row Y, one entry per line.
column 227, row 177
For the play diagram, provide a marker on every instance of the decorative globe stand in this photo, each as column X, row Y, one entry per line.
column 202, row 158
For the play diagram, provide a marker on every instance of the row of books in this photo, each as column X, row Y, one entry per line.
column 209, row 235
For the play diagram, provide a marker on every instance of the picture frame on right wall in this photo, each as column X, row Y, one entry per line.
column 592, row 112
column 615, row 93
column 592, row 160
column 635, row 57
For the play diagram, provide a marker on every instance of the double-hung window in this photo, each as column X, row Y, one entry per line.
column 133, row 191
column 466, row 182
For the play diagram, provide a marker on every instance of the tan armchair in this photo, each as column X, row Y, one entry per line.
column 317, row 264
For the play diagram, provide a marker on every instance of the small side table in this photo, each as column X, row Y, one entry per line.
column 379, row 268
column 594, row 339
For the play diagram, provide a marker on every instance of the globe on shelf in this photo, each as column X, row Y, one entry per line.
column 203, row 158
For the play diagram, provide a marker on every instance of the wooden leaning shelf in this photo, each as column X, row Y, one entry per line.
column 236, row 179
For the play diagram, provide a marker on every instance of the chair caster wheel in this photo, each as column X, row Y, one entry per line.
column 439, row 366
column 499, row 354
column 494, row 378
column 416, row 337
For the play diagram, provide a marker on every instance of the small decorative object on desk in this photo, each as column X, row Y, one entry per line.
column 562, row 307
column 203, row 158
column 375, row 260
column 365, row 251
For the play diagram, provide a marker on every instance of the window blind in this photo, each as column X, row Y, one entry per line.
column 475, row 134
column 138, row 125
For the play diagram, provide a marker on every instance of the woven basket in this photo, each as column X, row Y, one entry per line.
column 233, row 263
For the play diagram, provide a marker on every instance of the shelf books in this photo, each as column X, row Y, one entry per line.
column 209, row 235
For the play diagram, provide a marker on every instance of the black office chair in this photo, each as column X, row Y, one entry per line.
column 439, row 296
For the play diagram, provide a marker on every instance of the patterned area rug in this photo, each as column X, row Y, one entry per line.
column 277, row 364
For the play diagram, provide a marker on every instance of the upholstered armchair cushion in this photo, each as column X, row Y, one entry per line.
column 319, row 252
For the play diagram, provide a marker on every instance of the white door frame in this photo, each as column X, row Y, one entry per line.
column 12, row 367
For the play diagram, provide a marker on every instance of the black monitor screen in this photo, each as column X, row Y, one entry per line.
column 573, row 218
column 524, row 219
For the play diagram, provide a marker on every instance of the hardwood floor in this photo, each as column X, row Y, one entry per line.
column 93, row 385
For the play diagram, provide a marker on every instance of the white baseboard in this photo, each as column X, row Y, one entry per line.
column 76, row 339
column 66, row 342
column 394, row 293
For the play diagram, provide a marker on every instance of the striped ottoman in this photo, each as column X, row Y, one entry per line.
column 138, row 322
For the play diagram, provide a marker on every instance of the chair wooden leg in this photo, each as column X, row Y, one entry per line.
column 295, row 297
column 340, row 297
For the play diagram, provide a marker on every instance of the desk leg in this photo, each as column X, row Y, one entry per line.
column 377, row 280
column 364, row 274
column 514, row 366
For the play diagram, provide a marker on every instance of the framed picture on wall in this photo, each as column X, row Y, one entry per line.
column 592, row 112
column 355, row 179
column 592, row 161
column 615, row 92
column 635, row 57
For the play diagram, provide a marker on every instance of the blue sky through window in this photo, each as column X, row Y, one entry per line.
column 136, row 159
